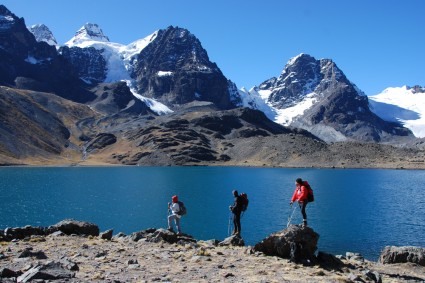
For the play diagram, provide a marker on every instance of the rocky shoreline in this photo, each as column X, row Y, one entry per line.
column 75, row 251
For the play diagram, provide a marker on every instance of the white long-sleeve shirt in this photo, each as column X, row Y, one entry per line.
column 175, row 207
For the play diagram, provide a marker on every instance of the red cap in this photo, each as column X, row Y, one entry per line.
column 175, row 198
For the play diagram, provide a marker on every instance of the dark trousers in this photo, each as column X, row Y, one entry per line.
column 237, row 223
column 302, row 206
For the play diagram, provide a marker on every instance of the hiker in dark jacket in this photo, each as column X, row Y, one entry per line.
column 236, row 209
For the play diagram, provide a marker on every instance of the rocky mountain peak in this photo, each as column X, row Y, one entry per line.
column 175, row 69
column 42, row 33
column 88, row 32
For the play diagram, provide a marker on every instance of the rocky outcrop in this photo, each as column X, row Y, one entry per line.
column 101, row 140
column 161, row 255
column 117, row 99
column 392, row 254
column 68, row 227
column 296, row 243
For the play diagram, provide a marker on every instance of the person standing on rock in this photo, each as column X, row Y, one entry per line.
column 236, row 209
column 174, row 208
column 301, row 195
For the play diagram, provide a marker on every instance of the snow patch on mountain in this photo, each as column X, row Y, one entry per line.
column 154, row 105
column 120, row 58
column 258, row 99
column 403, row 105
column 42, row 33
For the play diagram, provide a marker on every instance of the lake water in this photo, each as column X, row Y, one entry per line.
column 355, row 210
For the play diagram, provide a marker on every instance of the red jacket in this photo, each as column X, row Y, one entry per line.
column 300, row 194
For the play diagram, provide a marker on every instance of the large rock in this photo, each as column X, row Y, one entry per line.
column 48, row 271
column 77, row 227
column 295, row 243
column 392, row 254
column 20, row 233
column 234, row 240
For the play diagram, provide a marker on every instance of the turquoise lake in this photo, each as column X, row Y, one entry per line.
column 357, row 210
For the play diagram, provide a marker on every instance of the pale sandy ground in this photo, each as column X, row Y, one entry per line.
column 123, row 260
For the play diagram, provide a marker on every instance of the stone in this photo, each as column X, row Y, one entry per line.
column 70, row 227
column 48, row 271
column 393, row 254
column 234, row 240
column 29, row 253
column 162, row 235
column 296, row 243
column 329, row 262
column 8, row 273
column 107, row 235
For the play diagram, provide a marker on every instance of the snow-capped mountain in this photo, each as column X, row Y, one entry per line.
column 153, row 67
column 99, row 60
column 316, row 95
column 88, row 32
column 404, row 105
column 42, row 33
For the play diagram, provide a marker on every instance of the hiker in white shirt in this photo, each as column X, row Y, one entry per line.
column 174, row 207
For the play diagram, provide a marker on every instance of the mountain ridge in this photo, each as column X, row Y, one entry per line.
column 161, row 101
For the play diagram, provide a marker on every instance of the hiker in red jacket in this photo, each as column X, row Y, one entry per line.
column 300, row 195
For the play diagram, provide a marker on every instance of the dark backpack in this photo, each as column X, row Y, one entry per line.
column 245, row 201
column 310, row 195
column 182, row 210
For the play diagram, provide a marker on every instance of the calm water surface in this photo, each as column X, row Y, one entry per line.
column 355, row 210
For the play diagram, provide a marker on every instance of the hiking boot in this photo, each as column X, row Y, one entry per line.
column 304, row 223
column 170, row 229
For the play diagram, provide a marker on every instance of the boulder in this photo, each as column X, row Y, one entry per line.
column 136, row 236
column 107, row 235
column 8, row 273
column 20, row 233
column 295, row 243
column 234, row 240
column 48, row 271
column 70, row 227
column 393, row 254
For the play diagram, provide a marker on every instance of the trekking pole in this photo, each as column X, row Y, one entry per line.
column 228, row 227
column 290, row 217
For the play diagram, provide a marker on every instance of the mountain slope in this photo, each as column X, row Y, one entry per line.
column 405, row 105
column 39, row 128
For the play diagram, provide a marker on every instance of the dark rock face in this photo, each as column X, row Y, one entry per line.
column 175, row 69
column 88, row 63
column 100, row 141
column 392, row 254
column 296, row 243
column 22, row 56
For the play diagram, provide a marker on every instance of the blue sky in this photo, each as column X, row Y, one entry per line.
column 376, row 43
